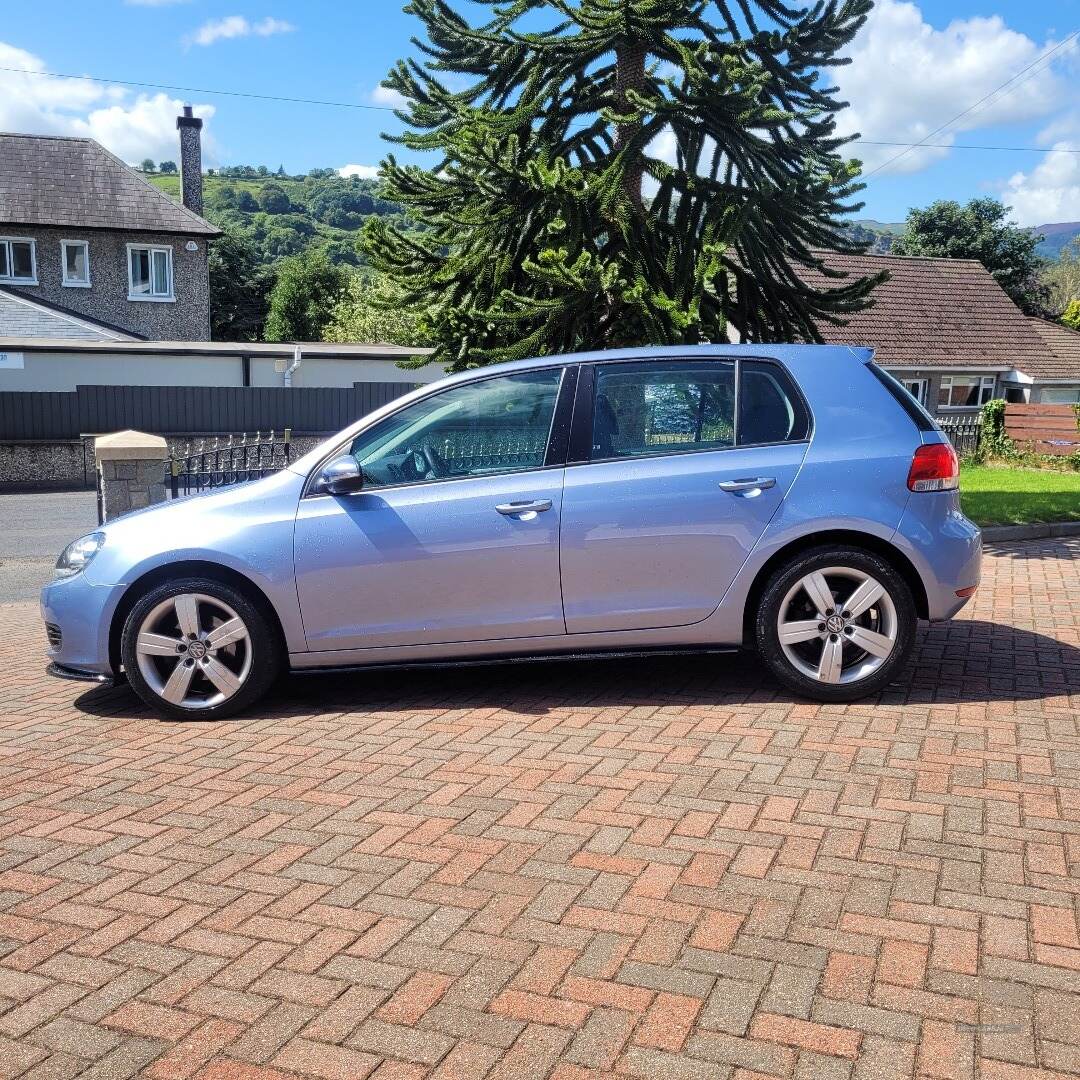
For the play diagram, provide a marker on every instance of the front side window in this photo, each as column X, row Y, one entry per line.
column 663, row 408
column 76, row 262
column 965, row 391
column 18, row 264
column 149, row 273
column 494, row 425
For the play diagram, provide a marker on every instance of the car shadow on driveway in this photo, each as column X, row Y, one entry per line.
column 964, row 661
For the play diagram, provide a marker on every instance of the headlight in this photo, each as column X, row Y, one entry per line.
column 77, row 555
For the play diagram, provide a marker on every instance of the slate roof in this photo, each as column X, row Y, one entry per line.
column 1063, row 358
column 934, row 313
column 49, row 180
column 23, row 317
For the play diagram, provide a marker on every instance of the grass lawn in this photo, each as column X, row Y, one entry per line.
column 996, row 495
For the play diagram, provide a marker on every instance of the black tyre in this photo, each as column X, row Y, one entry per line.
column 196, row 649
column 836, row 623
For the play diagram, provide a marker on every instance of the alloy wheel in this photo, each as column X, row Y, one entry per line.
column 837, row 625
column 194, row 651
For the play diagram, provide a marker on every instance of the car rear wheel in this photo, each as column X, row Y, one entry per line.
column 836, row 624
column 197, row 649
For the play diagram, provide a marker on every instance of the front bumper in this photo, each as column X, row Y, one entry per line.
column 58, row 671
column 82, row 613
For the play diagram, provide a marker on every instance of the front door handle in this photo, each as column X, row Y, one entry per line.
column 750, row 484
column 524, row 511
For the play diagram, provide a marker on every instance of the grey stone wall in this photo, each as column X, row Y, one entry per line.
column 131, row 485
column 185, row 319
column 70, row 463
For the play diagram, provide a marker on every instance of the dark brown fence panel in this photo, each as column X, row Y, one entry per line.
column 41, row 415
column 165, row 410
column 1046, row 429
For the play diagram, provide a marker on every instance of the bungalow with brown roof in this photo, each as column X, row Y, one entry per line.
column 950, row 333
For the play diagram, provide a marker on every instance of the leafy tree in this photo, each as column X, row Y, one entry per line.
column 305, row 294
column 246, row 202
column 1071, row 315
column 147, row 165
column 555, row 219
column 240, row 285
column 167, row 167
column 1062, row 278
column 980, row 230
column 273, row 200
column 374, row 309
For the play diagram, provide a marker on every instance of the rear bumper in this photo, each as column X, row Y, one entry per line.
column 944, row 546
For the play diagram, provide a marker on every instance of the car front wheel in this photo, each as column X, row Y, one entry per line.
column 197, row 649
column 836, row 624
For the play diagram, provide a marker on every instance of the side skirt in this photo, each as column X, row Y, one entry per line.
column 536, row 658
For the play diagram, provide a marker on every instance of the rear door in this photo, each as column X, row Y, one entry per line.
column 664, row 498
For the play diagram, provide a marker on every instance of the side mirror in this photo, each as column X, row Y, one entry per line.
column 340, row 476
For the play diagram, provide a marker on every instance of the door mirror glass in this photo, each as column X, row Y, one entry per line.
column 340, row 476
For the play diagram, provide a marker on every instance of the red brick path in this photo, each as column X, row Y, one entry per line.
column 660, row 869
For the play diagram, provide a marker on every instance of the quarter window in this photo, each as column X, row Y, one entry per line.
column 965, row 391
column 18, row 263
column 494, row 425
column 663, row 408
column 150, row 274
column 76, row 262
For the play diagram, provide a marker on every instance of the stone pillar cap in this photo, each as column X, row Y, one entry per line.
column 130, row 446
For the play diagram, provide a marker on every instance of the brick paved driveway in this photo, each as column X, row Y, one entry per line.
column 654, row 869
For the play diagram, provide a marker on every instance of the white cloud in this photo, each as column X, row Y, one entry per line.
column 236, row 26
column 131, row 126
column 1050, row 191
column 385, row 95
column 365, row 172
column 906, row 79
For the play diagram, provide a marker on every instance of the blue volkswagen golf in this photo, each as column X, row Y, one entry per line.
column 791, row 499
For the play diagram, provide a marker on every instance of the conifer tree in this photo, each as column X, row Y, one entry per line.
column 620, row 172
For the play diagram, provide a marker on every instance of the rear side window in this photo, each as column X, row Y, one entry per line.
column 770, row 408
column 663, row 408
column 923, row 420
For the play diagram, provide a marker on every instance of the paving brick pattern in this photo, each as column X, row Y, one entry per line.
column 661, row 869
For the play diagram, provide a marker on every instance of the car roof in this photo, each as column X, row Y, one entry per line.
column 784, row 353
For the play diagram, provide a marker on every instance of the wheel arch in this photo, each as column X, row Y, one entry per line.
column 189, row 568
column 853, row 538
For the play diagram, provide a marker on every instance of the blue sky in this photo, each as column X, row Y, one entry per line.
column 915, row 66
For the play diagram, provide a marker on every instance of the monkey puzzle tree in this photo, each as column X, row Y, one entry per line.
column 620, row 172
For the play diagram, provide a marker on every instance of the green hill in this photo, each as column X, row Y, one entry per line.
column 285, row 215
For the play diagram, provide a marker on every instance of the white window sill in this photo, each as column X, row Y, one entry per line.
column 76, row 284
column 152, row 299
column 18, row 281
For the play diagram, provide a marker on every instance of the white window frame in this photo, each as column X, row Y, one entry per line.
column 151, row 298
column 924, row 388
column 984, row 381
column 67, row 282
column 7, row 279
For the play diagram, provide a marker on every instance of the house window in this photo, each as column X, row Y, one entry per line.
column 1063, row 395
column 18, row 262
column 916, row 388
column 965, row 391
column 75, row 256
column 150, row 275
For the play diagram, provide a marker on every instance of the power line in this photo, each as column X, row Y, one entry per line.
column 389, row 108
column 1027, row 71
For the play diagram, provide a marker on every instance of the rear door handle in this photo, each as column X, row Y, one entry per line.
column 751, row 483
column 524, row 510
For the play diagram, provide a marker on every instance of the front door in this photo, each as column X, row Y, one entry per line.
column 671, row 501
column 455, row 535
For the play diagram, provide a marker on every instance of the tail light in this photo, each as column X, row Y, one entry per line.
column 934, row 468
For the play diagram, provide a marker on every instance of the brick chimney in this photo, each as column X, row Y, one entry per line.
column 190, row 128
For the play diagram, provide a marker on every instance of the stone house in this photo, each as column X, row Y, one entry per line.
column 950, row 333
column 90, row 250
